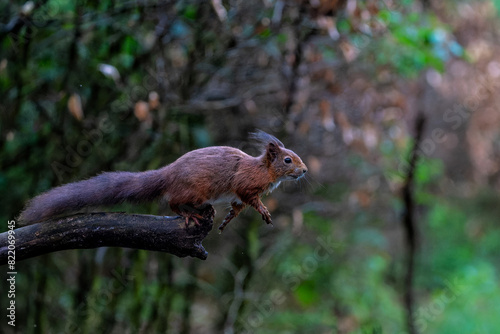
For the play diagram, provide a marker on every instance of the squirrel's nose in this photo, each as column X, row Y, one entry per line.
column 304, row 171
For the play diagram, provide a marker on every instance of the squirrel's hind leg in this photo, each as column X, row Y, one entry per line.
column 189, row 212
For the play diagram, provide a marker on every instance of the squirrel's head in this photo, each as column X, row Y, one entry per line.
column 284, row 163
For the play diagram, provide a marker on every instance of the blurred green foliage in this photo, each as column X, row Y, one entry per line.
column 414, row 42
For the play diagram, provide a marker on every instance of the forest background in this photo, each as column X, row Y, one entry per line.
column 393, row 105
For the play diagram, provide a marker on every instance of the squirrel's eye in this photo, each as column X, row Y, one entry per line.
column 288, row 160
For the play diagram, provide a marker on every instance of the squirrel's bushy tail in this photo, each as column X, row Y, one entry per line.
column 104, row 189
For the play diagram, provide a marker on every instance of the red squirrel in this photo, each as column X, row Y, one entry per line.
column 218, row 174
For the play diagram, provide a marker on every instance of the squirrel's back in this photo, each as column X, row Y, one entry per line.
column 205, row 175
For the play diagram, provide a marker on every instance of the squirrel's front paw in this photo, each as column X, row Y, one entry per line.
column 266, row 216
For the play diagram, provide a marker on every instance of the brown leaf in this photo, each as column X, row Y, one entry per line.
column 153, row 100
column 326, row 115
column 75, row 106
column 349, row 51
column 314, row 164
column 141, row 110
column 360, row 197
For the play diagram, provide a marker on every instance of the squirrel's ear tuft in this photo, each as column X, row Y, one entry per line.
column 265, row 139
column 271, row 145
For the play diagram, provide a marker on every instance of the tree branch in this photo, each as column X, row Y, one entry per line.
column 84, row 231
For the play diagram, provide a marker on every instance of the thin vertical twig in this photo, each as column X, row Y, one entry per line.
column 409, row 225
column 72, row 59
column 189, row 295
column 302, row 39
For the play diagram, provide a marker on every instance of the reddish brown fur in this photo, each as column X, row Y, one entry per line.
column 197, row 178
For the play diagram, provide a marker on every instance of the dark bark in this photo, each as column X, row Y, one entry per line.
column 84, row 231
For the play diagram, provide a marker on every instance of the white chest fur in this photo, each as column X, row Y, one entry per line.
column 273, row 186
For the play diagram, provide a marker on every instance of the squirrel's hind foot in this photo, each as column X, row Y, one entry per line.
column 193, row 216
